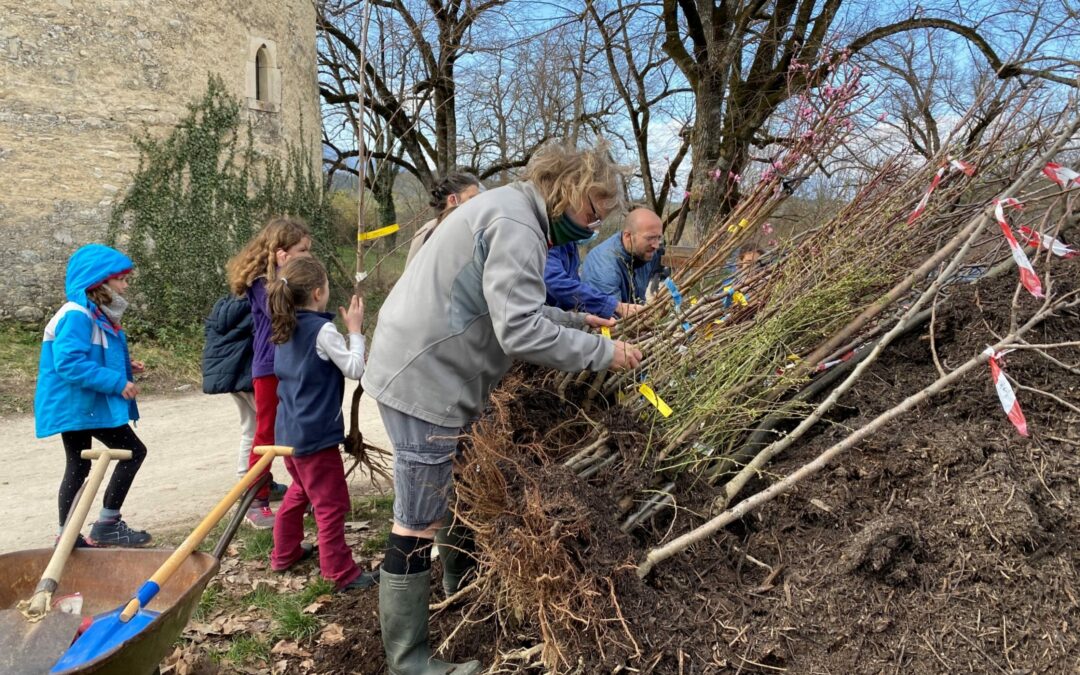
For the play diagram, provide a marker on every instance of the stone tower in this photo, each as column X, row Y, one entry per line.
column 80, row 78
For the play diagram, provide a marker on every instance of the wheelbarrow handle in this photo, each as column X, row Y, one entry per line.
column 238, row 517
column 151, row 586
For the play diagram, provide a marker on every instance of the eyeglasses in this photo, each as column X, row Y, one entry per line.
column 597, row 218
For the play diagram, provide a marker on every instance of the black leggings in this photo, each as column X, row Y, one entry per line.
column 78, row 469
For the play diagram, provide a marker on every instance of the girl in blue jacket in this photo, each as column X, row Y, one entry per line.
column 85, row 386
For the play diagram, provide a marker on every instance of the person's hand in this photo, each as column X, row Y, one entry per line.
column 137, row 366
column 593, row 321
column 625, row 309
column 131, row 390
column 627, row 356
column 354, row 315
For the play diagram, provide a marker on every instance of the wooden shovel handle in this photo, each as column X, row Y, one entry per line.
column 151, row 586
column 77, row 518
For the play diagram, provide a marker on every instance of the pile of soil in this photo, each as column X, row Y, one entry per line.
column 944, row 543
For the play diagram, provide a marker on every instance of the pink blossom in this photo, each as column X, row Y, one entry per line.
column 768, row 174
column 773, row 243
column 686, row 196
column 716, row 174
column 735, row 178
column 882, row 117
column 767, row 228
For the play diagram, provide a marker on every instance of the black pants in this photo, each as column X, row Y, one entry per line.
column 77, row 469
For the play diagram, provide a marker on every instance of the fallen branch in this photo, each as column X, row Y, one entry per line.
column 714, row 525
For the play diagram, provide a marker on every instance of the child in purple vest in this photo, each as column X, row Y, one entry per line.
column 311, row 362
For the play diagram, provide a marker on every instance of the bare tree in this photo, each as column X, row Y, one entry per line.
column 744, row 59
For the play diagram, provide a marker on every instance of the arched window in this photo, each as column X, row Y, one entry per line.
column 262, row 75
column 263, row 80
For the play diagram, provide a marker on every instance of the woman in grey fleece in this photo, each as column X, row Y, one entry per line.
column 470, row 304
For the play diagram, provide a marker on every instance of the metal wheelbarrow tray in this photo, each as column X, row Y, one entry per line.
column 106, row 577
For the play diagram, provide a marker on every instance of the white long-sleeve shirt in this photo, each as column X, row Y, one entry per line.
column 330, row 346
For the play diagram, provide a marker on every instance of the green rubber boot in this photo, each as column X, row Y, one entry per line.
column 455, row 547
column 403, row 617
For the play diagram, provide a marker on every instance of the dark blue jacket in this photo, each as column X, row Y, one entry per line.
column 310, row 390
column 229, row 348
column 565, row 289
column 609, row 268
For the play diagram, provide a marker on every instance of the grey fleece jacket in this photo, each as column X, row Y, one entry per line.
column 470, row 303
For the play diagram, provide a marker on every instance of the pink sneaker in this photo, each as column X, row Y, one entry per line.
column 260, row 517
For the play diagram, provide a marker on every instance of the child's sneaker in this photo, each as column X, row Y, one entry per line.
column 277, row 491
column 117, row 533
column 260, row 517
column 80, row 542
column 307, row 551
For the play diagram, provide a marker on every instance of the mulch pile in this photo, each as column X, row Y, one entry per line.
column 944, row 543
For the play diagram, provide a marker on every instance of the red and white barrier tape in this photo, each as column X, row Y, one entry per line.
column 1062, row 175
column 825, row 365
column 1028, row 278
column 1005, row 392
column 957, row 164
column 1055, row 246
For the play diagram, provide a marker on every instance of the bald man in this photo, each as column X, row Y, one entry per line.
column 622, row 264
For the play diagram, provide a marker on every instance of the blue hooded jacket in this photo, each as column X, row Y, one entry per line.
column 565, row 289
column 84, row 363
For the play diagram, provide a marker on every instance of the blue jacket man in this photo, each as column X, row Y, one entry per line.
column 622, row 264
column 565, row 289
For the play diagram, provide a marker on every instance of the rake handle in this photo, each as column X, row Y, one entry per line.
column 151, row 586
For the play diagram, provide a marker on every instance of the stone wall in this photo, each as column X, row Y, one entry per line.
column 80, row 78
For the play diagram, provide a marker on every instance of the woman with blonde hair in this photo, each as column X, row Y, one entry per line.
column 446, row 335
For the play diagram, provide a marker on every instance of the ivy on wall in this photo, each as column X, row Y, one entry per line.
column 196, row 198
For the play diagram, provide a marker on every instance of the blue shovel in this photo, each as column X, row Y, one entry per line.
column 112, row 629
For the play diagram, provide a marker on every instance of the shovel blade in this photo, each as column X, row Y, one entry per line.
column 32, row 648
column 106, row 633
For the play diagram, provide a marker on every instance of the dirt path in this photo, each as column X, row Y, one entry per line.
column 190, row 464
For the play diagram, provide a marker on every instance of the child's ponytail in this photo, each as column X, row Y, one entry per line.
column 293, row 288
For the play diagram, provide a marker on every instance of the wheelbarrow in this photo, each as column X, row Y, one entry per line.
column 105, row 578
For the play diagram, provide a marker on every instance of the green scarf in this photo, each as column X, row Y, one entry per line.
column 564, row 230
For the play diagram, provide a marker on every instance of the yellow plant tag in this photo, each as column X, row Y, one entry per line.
column 375, row 234
column 739, row 299
column 743, row 224
column 651, row 397
column 605, row 331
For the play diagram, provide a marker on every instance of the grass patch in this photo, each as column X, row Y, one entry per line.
column 20, row 349
column 257, row 544
column 248, row 647
column 287, row 610
column 173, row 361
column 313, row 590
column 291, row 622
column 379, row 509
column 265, row 597
column 211, row 596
